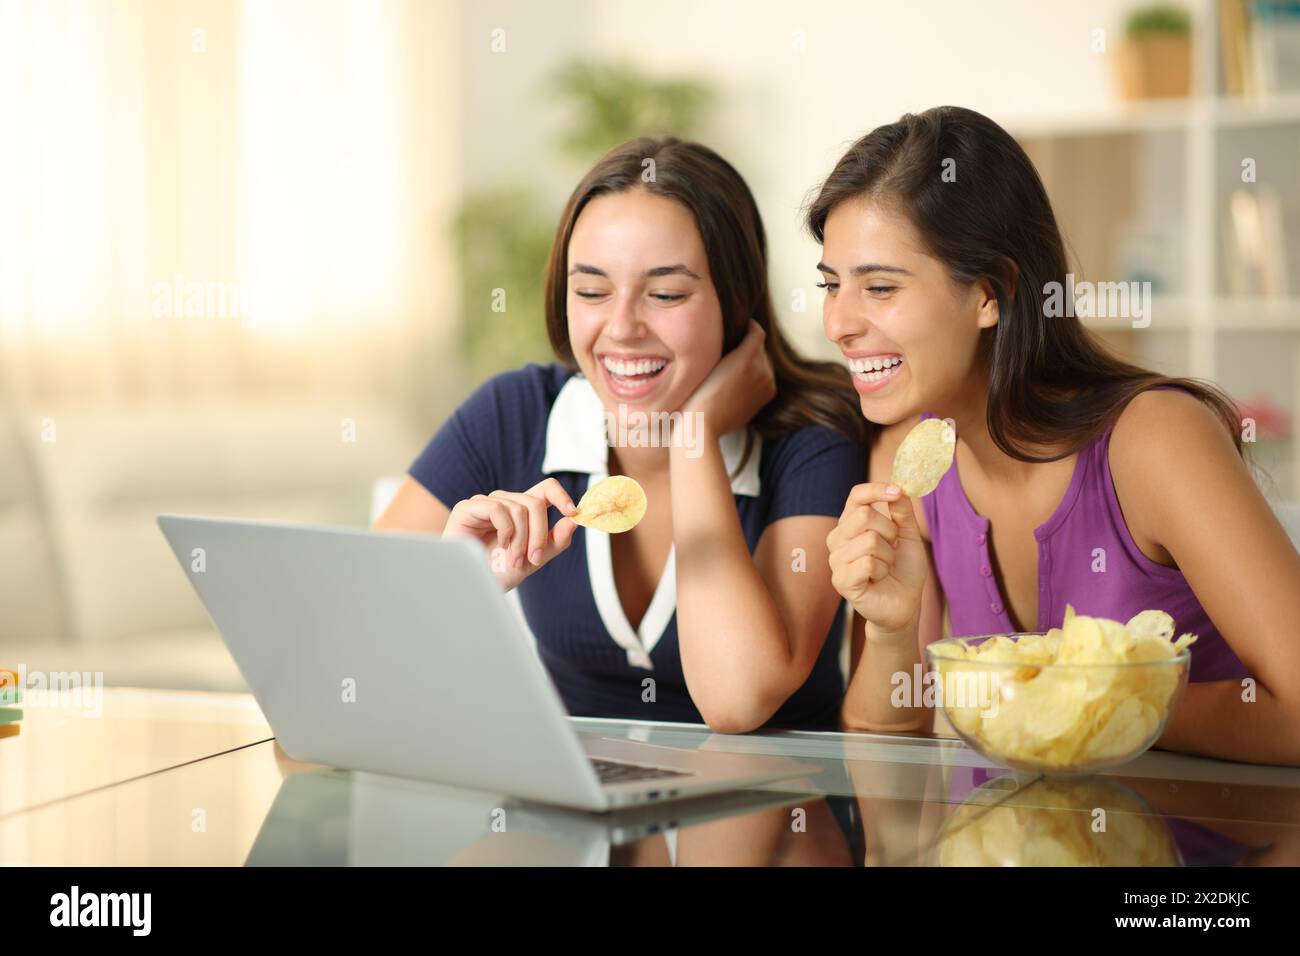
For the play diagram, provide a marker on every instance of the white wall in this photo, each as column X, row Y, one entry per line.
column 786, row 115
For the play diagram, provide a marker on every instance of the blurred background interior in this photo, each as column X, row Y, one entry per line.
column 248, row 250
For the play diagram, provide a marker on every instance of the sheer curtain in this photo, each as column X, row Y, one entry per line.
column 215, row 197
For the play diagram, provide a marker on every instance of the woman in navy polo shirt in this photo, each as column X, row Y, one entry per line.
column 719, row 605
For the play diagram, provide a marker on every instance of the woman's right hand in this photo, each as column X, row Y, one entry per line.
column 514, row 528
column 878, row 560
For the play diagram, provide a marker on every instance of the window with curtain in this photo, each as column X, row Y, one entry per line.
column 206, row 197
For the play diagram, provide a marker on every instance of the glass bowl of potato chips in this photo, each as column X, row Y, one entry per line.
column 1088, row 696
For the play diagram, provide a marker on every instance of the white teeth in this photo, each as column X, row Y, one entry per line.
column 636, row 367
column 865, row 366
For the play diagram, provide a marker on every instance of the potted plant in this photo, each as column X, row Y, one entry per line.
column 1155, row 58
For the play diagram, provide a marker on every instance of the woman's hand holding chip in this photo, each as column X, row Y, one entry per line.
column 878, row 560
column 515, row 529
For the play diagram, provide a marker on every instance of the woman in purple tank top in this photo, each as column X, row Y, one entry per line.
column 1078, row 478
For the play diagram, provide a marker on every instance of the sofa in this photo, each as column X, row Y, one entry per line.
column 87, row 581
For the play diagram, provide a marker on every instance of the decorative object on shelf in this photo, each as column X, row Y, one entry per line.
column 1272, row 421
column 1150, row 255
column 1275, row 42
column 1254, row 243
column 1155, row 59
column 11, row 694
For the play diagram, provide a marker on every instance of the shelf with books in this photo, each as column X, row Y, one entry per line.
column 1200, row 196
column 1258, row 44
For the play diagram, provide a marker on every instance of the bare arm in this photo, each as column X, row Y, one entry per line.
column 413, row 508
column 877, row 656
column 750, row 627
column 1185, row 490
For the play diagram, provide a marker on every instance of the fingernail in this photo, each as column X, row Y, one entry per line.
column 519, row 561
column 892, row 490
column 536, row 556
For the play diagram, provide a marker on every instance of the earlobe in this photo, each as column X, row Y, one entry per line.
column 989, row 314
column 987, row 294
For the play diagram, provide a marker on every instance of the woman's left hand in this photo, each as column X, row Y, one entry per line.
column 737, row 388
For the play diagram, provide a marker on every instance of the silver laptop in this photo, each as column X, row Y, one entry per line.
column 399, row 654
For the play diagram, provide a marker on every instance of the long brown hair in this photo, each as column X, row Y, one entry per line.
column 807, row 392
column 1051, row 381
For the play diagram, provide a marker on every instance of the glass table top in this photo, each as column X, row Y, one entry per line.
column 76, row 741
column 868, row 799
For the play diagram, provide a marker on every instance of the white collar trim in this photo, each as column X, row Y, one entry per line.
column 638, row 642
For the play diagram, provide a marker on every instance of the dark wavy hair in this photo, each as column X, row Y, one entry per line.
column 807, row 392
column 1051, row 381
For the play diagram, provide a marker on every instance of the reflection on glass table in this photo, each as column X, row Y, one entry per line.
column 872, row 800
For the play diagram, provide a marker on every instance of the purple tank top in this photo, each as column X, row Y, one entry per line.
column 1086, row 533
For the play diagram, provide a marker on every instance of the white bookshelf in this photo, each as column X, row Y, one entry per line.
column 1198, row 313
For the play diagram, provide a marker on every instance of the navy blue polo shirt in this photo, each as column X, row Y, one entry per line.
column 541, row 421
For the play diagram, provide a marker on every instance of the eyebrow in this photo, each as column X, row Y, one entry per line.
column 655, row 273
column 865, row 269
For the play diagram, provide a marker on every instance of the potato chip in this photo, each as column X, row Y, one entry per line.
column 1153, row 623
column 924, row 457
column 615, row 504
column 1000, row 649
column 1038, row 648
column 1129, row 725
column 1047, row 706
column 954, row 651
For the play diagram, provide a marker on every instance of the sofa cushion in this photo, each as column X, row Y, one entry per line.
column 194, row 659
column 113, row 468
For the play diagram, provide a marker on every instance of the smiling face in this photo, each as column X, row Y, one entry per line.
column 644, row 320
column 908, row 331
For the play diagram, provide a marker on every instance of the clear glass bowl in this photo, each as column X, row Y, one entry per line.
column 1058, row 719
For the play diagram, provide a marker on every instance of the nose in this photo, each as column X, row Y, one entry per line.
column 625, row 322
column 840, row 320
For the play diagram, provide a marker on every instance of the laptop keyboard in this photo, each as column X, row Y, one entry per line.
column 611, row 771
